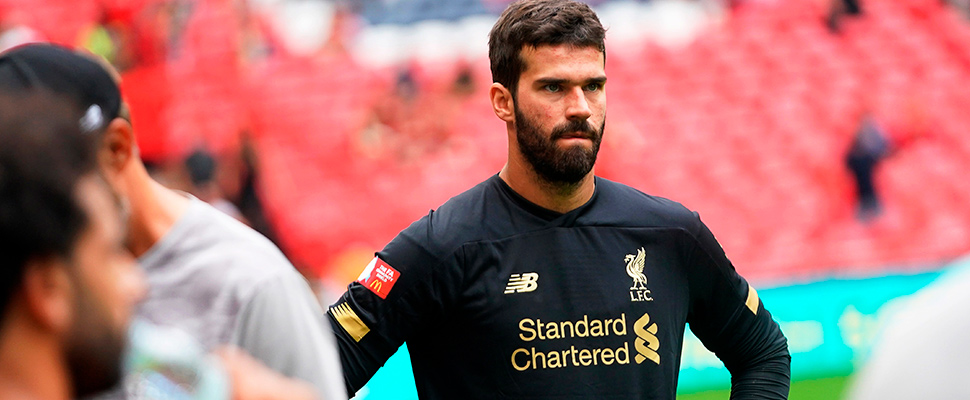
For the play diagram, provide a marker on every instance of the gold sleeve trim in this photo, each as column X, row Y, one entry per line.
column 349, row 320
column 752, row 301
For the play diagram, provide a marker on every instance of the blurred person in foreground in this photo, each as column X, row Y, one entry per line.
column 210, row 276
column 69, row 286
column 922, row 351
column 546, row 281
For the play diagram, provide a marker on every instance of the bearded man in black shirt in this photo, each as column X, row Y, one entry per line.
column 546, row 281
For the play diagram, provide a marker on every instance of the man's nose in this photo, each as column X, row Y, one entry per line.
column 577, row 106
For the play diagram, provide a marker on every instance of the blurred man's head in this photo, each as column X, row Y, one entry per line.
column 88, row 81
column 68, row 285
column 93, row 85
column 68, row 74
column 548, row 62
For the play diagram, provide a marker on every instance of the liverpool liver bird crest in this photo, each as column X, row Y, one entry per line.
column 634, row 268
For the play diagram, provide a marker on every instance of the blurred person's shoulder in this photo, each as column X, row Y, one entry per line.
column 240, row 246
column 216, row 249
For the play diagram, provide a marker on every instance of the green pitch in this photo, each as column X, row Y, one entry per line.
column 815, row 389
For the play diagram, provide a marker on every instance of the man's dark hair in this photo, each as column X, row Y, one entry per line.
column 539, row 22
column 68, row 73
column 43, row 154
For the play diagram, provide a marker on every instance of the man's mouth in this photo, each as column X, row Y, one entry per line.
column 575, row 135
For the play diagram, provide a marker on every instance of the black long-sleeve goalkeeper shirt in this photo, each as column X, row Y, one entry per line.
column 498, row 298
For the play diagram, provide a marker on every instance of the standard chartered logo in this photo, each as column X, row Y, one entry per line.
column 535, row 331
column 646, row 343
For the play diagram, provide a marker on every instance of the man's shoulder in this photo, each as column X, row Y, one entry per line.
column 244, row 240
column 469, row 205
column 464, row 218
column 211, row 242
column 625, row 205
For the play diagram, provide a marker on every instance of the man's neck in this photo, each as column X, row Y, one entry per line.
column 31, row 366
column 154, row 211
column 561, row 198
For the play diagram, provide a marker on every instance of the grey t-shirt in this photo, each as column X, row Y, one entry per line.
column 223, row 283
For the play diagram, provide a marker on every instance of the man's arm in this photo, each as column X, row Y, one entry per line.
column 282, row 326
column 728, row 316
column 250, row 380
column 360, row 359
column 403, row 292
column 755, row 351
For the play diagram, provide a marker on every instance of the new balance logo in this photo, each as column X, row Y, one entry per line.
column 521, row 283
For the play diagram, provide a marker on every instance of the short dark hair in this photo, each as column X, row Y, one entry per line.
column 43, row 155
column 535, row 23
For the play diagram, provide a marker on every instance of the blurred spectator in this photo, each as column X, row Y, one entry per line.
column 464, row 84
column 392, row 131
column 963, row 6
column 211, row 276
column 202, row 169
column 250, row 204
column 69, row 286
column 110, row 37
column 421, row 113
column 405, row 88
column 869, row 146
column 839, row 9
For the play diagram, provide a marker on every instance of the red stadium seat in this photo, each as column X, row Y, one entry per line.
column 749, row 124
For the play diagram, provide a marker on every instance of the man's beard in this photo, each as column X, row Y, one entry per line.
column 560, row 167
column 94, row 347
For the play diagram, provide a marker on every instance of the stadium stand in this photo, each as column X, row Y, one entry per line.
column 748, row 124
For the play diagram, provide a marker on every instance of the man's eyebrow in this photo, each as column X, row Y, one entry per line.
column 551, row 81
column 560, row 81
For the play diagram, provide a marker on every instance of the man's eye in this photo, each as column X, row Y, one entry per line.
column 552, row 88
column 592, row 87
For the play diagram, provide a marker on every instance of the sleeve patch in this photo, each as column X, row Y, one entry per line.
column 349, row 320
column 379, row 277
column 752, row 301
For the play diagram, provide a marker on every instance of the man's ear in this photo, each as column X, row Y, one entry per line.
column 117, row 145
column 502, row 103
column 48, row 293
